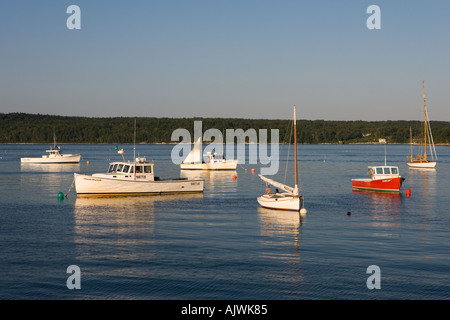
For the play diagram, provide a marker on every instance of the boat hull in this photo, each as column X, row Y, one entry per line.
column 428, row 164
column 228, row 165
column 66, row 158
column 280, row 202
column 88, row 186
column 378, row 185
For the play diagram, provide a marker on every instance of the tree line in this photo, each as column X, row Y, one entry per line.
column 38, row 128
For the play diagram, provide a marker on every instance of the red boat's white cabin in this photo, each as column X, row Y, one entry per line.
column 383, row 172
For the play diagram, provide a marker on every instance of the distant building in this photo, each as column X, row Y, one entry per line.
column 382, row 140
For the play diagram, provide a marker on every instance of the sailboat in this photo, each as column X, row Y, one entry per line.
column 288, row 200
column 421, row 161
column 214, row 161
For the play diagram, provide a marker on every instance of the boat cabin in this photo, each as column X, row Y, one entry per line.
column 214, row 157
column 52, row 153
column 383, row 172
column 126, row 169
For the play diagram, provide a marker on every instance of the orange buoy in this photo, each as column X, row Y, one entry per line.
column 234, row 177
column 253, row 170
column 87, row 162
column 408, row 192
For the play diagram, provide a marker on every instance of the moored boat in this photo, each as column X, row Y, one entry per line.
column 421, row 160
column 382, row 179
column 290, row 199
column 54, row 156
column 132, row 178
column 214, row 161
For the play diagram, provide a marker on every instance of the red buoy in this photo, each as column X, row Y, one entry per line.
column 234, row 177
column 408, row 192
column 253, row 170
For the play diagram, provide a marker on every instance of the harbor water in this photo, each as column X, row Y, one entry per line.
column 221, row 245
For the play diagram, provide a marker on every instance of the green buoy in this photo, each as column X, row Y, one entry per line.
column 60, row 196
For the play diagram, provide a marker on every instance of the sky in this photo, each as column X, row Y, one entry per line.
column 226, row 59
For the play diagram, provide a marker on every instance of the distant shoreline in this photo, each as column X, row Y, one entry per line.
column 246, row 143
column 30, row 128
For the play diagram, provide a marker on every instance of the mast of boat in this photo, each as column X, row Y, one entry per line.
column 424, row 121
column 54, row 138
column 134, row 149
column 295, row 147
column 410, row 137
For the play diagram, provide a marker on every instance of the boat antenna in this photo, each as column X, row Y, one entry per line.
column 385, row 153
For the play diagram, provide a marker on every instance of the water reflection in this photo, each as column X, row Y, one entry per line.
column 116, row 235
column 54, row 167
column 380, row 202
column 215, row 180
column 423, row 178
column 281, row 224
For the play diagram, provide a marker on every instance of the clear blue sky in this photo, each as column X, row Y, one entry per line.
column 226, row 58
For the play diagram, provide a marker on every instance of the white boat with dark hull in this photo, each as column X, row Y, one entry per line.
column 214, row 161
column 288, row 200
column 131, row 179
column 54, row 156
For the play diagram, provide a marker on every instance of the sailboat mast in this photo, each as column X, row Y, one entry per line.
column 424, row 121
column 134, row 150
column 295, row 147
column 410, row 137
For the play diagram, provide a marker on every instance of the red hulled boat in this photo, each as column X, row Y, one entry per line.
column 382, row 179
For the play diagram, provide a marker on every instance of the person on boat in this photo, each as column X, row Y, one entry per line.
column 268, row 189
column 276, row 191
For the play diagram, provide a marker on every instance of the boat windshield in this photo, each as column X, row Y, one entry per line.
column 112, row 168
column 383, row 170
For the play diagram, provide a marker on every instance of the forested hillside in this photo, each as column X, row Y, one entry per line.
column 37, row 128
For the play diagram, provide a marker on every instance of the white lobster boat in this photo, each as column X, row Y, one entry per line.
column 131, row 179
column 54, row 156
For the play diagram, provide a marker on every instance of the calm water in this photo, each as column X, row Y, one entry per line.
column 222, row 245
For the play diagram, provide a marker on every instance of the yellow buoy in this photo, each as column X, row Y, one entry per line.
column 87, row 162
